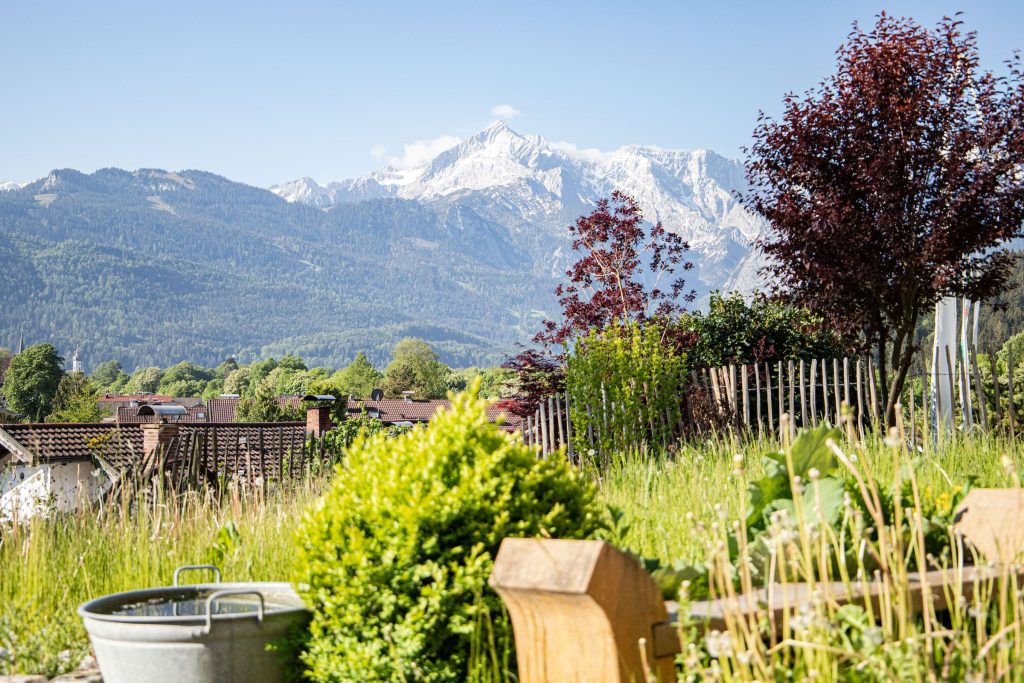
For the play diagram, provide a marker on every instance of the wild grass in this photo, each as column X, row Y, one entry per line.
column 665, row 500
column 50, row 566
column 673, row 505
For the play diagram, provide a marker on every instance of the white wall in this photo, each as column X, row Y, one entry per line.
column 28, row 490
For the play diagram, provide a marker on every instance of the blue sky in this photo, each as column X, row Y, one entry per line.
column 265, row 92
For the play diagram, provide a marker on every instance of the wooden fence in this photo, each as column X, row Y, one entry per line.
column 751, row 399
column 211, row 454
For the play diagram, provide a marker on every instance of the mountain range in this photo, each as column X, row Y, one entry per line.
column 463, row 250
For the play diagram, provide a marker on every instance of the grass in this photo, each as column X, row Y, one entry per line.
column 666, row 500
column 49, row 567
column 670, row 507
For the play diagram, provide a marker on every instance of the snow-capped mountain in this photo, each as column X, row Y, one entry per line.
column 536, row 188
column 10, row 186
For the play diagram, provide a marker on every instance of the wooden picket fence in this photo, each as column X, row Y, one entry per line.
column 211, row 454
column 751, row 400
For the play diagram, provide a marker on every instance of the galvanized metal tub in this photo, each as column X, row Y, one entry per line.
column 211, row 632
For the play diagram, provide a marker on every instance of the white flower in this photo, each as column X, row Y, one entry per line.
column 813, row 474
column 718, row 644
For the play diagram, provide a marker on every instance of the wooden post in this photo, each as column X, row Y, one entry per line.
column 782, row 399
column 280, row 455
column 568, row 430
column 1012, row 409
column 814, row 392
column 558, row 420
column 768, row 401
column 757, row 397
column 979, row 389
column 872, row 392
column 824, row 388
column 792, row 397
column 995, row 386
column 746, row 403
column 835, row 386
column 543, row 418
column 860, row 399
column 803, row 395
column 580, row 611
column 952, row 389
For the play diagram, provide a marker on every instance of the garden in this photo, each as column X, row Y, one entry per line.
column 844, row 493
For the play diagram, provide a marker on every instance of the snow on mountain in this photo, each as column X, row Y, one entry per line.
column 10, row 186
column 536, row 188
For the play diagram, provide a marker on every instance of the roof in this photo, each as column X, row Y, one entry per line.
column 199, row 413
column 119, row 400
column 231, row 445
column 399, row 410
column 62, row 442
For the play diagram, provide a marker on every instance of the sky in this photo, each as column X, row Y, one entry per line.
column 267, row 92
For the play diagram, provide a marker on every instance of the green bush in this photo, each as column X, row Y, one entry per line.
column 395, row 557
column 625, row 386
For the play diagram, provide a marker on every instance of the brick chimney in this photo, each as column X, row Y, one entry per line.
column 157, row 436
column 318, row 420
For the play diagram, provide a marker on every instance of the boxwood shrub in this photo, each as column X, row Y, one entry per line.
column 395, row 557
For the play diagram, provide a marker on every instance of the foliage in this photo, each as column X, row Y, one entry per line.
column 893, row 184
column 358, row 379
column 239, row 382
column 607, row 283
column 144, row 381
column 415, row 367
column 107, row 373
column 625, row 388
column 184, row 379
column 395, row 558
column 5, row 360
column 263, row 406
column 538, row 375
column 75, row 400
column 32, row 380
column 494, row 382
column 347, row 431
column 734, row 331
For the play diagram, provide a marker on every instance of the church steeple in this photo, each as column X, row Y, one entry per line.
column 76, row 363
column 21, row 342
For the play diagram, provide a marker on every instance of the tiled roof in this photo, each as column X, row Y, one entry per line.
column 128, row 400
column 222, row 409
column 130, row 414
column 68, row 442
column 400, row 410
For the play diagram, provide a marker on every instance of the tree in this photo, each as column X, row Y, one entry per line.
column 761, row 331
column 263, row 406
column 75, row 400
column 5, row 360
column 184, row 379
column 32, row 380
column 106, row 373
column 894, row 183
column 144, row 381
column 415, row 367
column 239, row 382
column 619, row 272
column 226, row 368
column 358, row 379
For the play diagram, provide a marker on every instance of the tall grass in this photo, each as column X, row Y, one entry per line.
column 50, row 566
column 666, row 499
column 674, row 507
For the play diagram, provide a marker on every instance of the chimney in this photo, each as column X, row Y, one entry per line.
column 407, row 395
column 318, row 420
column 157, row 437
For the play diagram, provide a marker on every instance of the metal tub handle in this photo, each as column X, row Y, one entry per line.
column 216, row 595
column 191, row 567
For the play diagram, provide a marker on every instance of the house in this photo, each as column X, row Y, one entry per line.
column 411, row 411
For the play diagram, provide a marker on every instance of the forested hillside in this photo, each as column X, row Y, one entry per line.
column 149, row 267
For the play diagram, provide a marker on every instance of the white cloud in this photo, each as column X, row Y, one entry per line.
column 505, row 111
column 423, row 150
column 588, row 154
column 378, row 151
